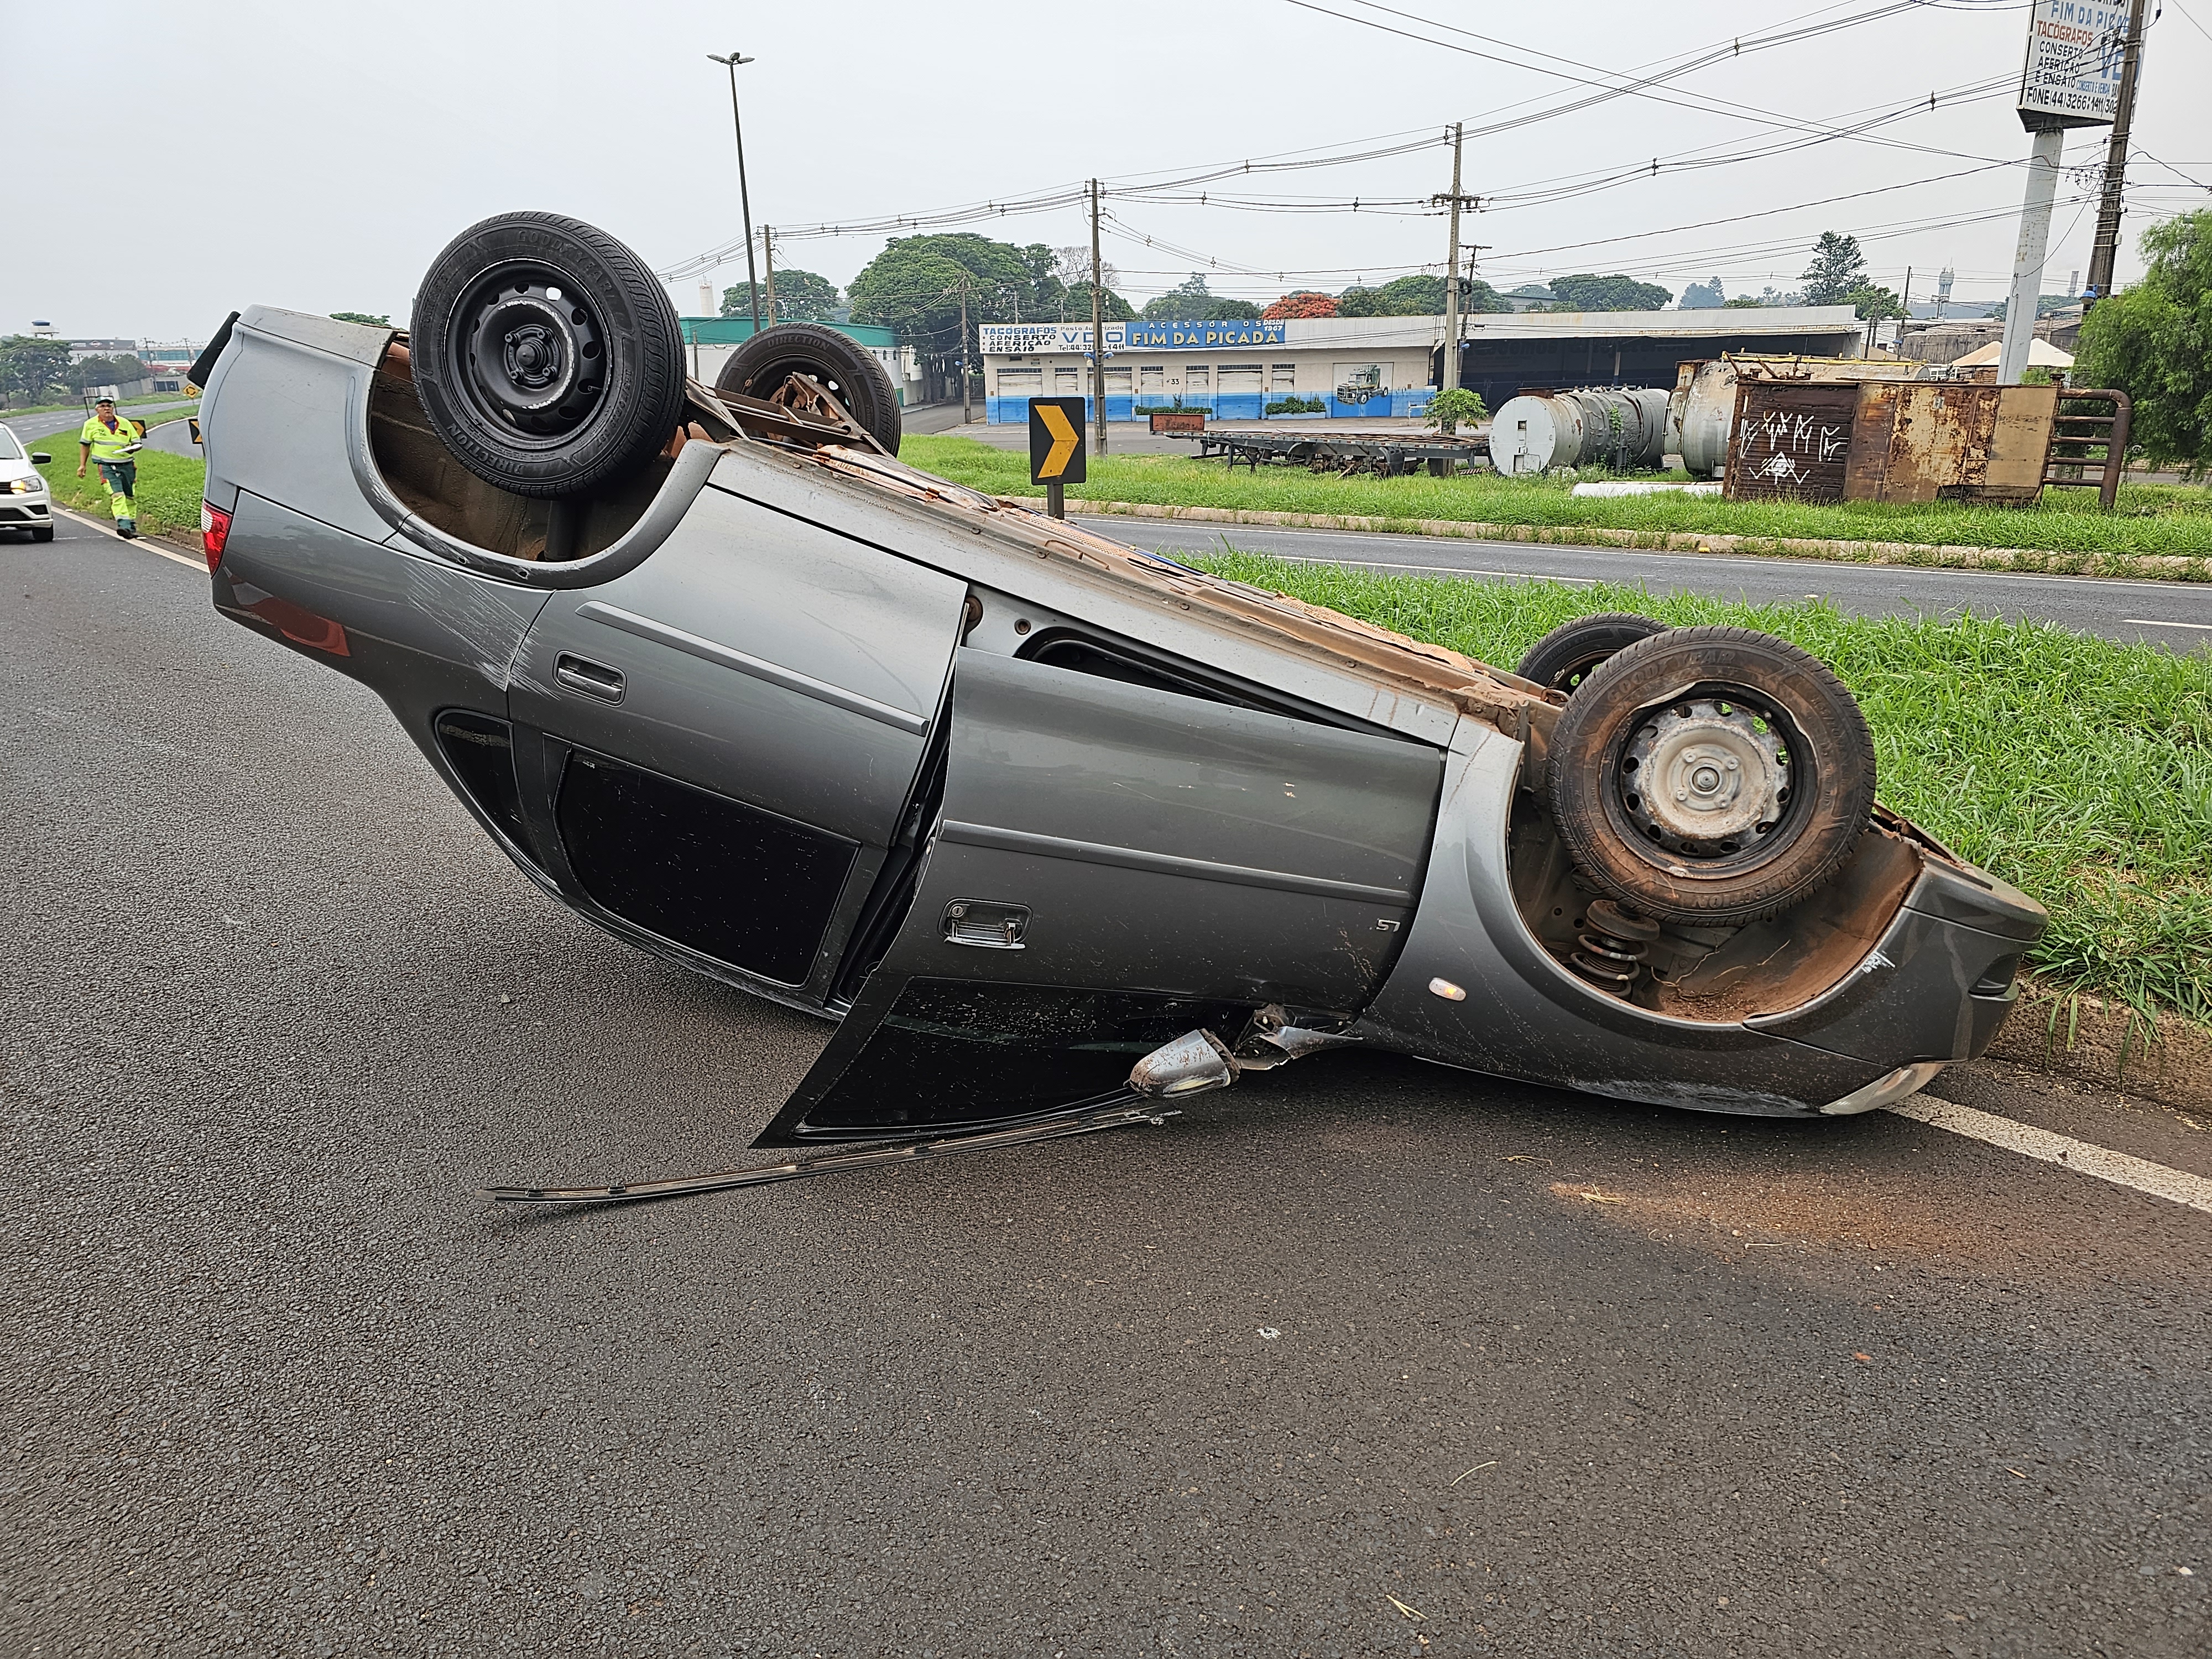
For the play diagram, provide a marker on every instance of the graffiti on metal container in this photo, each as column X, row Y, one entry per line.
column 1784, row 446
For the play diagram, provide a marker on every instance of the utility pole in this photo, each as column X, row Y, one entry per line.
column 2105, row 251
column 1450, row 376
column 768, row 268
column 1097, row 323
column 2027, row 255
column 965, row 416
column 744, row 196
column 1904, row 305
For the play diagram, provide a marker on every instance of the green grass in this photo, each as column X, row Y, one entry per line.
column 2077, row 768
column 2150, row 519
column 168, row 493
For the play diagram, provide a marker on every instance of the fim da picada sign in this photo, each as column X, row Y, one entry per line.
column 1045, row 340
column 2072, row 76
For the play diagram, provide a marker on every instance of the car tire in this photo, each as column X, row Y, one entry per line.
column 847, row 369
column 43, row 532
column 1711, row 777
column 1564, row 657
column 546, row 357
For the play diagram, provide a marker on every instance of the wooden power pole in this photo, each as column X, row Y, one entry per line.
column 1450, row 376
column 2105, row 252
column 965, row 416
column 767, row 268
column 1097, row 323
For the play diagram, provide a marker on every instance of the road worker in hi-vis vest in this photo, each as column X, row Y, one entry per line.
column 109, row 440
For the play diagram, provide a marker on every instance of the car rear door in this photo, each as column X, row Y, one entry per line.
column 726, row 739
column 1113, row 866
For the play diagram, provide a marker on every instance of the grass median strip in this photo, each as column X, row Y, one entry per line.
column 2063, row 533
column 2078, row 769
column 168, row 493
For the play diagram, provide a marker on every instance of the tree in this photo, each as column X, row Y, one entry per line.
column 1304, row 303
column 1072, row 266
column 916, row 285
column 1190, row 301
column 800, row 297
column 1872, row 303
column 2154, row 342
column 30, row 368
column 361, row 317
column 1615, row 292
column 1448, row 409
column 1703, row 296
column 1417, row 296
column 118, row 370
column 1074, row 305
column 1838, row 268
column 1742, row 302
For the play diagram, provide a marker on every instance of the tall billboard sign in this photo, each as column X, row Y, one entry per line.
column 2072, row 75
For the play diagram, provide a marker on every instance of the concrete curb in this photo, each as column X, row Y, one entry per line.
column 2158, row 566
column 2103, row 1042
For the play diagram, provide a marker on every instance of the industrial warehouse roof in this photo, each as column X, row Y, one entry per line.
column 1423, row 333
column 1577, row 325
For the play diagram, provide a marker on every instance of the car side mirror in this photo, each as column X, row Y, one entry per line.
column 38, row 460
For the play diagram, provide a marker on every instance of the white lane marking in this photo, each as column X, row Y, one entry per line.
column 2175, row 1186
column 2153, row 622
column 171, row 555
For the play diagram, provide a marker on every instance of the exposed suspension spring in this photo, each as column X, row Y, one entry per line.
column 1612, row 946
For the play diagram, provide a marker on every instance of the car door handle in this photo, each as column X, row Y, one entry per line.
column 593, row 679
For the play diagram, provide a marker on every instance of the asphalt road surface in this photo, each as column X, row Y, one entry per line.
column 2176, row 615
column 1362, row 1357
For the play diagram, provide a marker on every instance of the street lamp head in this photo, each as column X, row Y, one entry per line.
column 732, row 60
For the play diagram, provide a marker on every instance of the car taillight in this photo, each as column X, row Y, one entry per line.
column 214, row 530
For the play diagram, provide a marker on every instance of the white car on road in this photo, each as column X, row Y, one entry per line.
column 24, row 502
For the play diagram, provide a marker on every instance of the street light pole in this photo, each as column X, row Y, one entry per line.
column 744, row 196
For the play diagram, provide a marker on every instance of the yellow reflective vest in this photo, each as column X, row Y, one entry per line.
column 109, row 445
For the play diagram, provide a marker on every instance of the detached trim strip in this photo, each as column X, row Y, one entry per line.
column 726, row 657
column 1165, row 864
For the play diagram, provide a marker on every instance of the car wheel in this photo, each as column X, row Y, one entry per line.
column 547, row 357
column 1563, row 658
column 1711, row 776
column 845, row 368
column 42, row 533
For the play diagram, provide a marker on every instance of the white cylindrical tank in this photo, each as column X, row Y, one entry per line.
column 1699, row 417
column 1541, row 431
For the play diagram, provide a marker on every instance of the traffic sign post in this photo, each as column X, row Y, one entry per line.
column 1057, row 453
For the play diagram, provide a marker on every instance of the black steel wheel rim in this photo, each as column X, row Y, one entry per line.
column 527, row 351
column 1677, row 747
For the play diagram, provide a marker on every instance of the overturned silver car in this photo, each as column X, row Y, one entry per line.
column 1056, row 829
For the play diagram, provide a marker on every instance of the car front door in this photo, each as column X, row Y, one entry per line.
column 1113, row 866
column 718, row 748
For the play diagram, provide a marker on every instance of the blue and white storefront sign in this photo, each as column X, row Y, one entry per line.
column 1048, row 339
column 1203, row 337
column 1043, row 339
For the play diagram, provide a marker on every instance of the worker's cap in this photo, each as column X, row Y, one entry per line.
column 97, row 402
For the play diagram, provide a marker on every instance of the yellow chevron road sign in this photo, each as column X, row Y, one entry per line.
column 1057, row 451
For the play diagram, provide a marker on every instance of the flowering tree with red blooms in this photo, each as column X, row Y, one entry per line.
column 1305, row 304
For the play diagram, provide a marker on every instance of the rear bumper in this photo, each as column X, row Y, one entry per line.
column 1932, row 991
column 1937, row 985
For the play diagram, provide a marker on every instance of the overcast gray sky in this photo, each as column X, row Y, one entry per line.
column 318, row 156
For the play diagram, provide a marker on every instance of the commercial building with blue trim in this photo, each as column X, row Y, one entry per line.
column 1353, row 367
